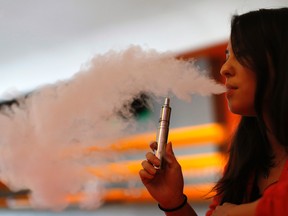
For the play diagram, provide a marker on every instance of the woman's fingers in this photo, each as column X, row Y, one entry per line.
column 148, row 165
column 144, row 175
column 152, row 159
column 153, row 146
column 149, row 171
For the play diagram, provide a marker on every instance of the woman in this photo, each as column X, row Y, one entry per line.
column 255, row 180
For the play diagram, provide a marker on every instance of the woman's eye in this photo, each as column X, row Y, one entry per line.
column 227, row 54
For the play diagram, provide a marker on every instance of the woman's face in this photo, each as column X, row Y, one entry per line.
column 241, row 85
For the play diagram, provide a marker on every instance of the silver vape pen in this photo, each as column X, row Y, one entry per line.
column 163, row 130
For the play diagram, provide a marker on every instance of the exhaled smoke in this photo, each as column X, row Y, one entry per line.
column 42, row 137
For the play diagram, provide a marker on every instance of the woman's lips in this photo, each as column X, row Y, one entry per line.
column 230, row 90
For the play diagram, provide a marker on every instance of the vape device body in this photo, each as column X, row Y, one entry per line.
column 163, row 131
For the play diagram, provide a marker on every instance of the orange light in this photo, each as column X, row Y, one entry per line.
column 193, row 135
column 126, row 170
column 199, row 192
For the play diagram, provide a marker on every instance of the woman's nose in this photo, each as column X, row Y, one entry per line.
column 226, row 70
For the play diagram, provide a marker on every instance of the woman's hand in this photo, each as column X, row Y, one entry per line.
column 165, row 185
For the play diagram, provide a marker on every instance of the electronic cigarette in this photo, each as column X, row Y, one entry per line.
column 163, row 130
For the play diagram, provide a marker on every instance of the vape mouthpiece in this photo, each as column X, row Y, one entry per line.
column 167, row 102
column 163, row 130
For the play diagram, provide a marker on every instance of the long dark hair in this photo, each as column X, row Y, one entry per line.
column 260, row 42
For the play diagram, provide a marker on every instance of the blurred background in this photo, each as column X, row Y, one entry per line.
column 43, row 42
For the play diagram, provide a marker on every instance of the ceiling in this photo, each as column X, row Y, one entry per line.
column 44, row 41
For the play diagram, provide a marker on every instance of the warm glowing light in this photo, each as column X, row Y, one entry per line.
column 193, row 135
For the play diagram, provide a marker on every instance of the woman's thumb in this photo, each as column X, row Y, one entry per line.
column 170, row 157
